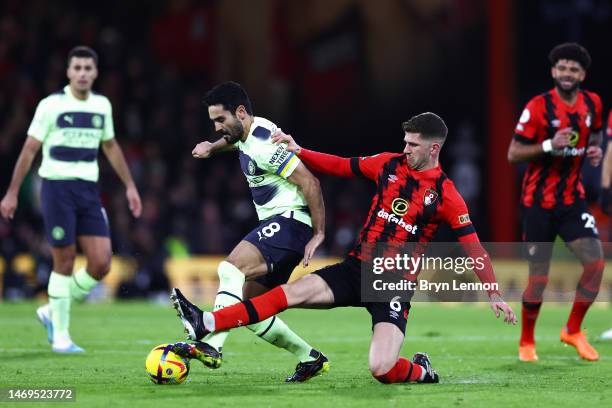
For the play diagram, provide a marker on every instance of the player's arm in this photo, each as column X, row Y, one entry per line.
column 367, row 167
column 311, row 188
column 29, row 150
column 606, row 173
column 455, row 213
column 484, row 270
column 594, row 153
column 526, row 150
column 115, row 156
column 206, row 149
column 524, row 146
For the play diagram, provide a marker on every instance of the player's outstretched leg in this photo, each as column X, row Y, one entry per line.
column 190, row 315
column 207, row 347
column 244, row 261
column 309, row 290
column 231, row 288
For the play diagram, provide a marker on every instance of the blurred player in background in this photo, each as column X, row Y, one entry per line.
column 70, row 125
column 414, row 178
column 606, row 190
column 289, row 205
column 555, row 133
column 606, row 172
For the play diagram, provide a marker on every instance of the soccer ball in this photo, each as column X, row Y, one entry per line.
column 165, row 367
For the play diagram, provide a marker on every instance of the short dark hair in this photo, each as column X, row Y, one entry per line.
column 230, row 95
column 428, row 125
column 82, row 51
column 572, row 52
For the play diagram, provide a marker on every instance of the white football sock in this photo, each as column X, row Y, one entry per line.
column 231, row 281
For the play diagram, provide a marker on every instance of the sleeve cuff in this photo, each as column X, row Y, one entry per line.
column 523, row 139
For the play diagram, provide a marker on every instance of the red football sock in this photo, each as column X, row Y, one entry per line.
column 532, row 301
column 529, row 315
column 586, row 292
column 403, row 371
column 251, row 311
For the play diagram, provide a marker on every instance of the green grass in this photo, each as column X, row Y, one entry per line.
column 474, row 354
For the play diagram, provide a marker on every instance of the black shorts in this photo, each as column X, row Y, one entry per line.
column 570, row 222
column 344, row 280
column 281, row 241
column 72, row 208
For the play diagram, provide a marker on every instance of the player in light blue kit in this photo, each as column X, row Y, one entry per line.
column 290, row 208
column 70, row 125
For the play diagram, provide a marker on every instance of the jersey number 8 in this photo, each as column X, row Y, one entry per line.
column 269, row 230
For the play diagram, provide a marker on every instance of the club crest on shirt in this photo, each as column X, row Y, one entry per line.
column 96, row 121
column 532, row 249
column 430, row 196
column 251, row 167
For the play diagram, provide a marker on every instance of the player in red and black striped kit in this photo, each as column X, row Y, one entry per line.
column 556, row 132
column 606, row 189
column 413, row 197
column 606, row 172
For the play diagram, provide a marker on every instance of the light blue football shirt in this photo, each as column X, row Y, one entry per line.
column 266, row 167
column 71, row 130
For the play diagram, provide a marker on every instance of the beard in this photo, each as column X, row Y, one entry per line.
column 570, row 90
column 234, row 133
column 414, row 163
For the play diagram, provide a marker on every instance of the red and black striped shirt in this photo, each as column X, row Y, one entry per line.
column 409, row 205
column 556, row 179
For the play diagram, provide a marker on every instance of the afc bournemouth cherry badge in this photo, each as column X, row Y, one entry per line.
column 430, row 196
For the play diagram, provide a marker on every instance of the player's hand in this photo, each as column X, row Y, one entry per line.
column 562, row 138
column 8, row 205
column 202, row 150
column 594, row 154
column 131, row 193
column 498, row 306
column 280, row 137
column 312, row 245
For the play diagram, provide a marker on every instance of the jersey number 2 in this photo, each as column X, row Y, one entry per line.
column 589, row 221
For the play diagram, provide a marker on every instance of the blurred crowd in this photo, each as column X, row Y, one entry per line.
column 338, row 74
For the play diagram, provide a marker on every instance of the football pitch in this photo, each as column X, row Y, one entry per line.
column 474, row 354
